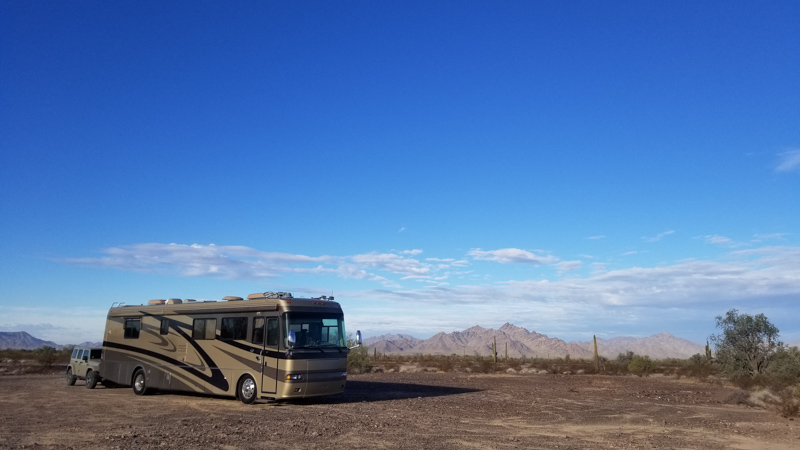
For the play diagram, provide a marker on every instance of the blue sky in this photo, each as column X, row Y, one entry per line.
column 574, row 168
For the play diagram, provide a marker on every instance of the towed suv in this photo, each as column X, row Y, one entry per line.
column 84, row 365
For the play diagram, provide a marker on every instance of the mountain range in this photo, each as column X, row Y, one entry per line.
column 520, row 342
column 472, row 341
column 21, row 340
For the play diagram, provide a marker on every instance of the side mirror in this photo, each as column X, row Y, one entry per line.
column 358, row 339
column 292, row 339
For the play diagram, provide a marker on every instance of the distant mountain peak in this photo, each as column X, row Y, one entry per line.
column 21, row 340
column 510, row 327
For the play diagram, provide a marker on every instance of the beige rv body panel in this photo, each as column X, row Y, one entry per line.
column 200, row 347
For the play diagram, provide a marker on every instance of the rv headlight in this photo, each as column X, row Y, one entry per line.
column 294, row 377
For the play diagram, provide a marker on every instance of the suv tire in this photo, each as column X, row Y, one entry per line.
column 91, row 379
column 70, row 377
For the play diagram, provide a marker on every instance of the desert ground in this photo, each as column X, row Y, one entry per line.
column 400, row 410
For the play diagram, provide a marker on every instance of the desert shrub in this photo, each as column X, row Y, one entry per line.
column 625, row 359
column 15, row 356
column 447, row 364
column 789, row 405
column 697, row 366
column 358, row 360
column 485, row 365
column 46, row 357
column 514, row 363
column 65, row 354
column 641, row 365
column 746, row 382
column 741, row 397
column 784, row 367
column 670, row 366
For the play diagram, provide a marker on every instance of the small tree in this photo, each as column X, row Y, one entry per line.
column 746, row 344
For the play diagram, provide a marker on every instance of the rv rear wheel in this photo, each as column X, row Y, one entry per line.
column 140, row 383
column 91, row 379
column 247, row 390
column 70, row 377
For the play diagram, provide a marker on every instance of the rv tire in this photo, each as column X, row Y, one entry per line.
column 91, row 379
column 70, row 377
column 247, row 390
column 140, row 383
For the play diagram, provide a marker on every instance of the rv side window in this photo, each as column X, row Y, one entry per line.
column 204, row 328
column 233, row 328
column 272, row 332
column 75, row 353
column 164, row 326
column 132, row 327
column 258, row 330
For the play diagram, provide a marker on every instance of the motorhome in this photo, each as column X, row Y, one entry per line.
column 270, row 345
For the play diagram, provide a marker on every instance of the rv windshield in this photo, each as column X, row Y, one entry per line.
column 315, row 330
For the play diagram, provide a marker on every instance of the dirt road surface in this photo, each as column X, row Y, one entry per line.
column 398, row 410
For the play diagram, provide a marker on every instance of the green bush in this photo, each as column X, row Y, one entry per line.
column 784, row 367
column 358, row 360
column 46, row 357
column 641, row 365
column 624, row 359
column 697, row 366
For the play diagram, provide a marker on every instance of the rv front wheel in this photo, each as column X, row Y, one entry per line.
column 70, row 377
column 247, row 390
column 140, row 383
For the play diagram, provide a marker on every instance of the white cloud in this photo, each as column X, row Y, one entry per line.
column 393, row 263
column 245, row 263
column 596, row 237
column 719, row 240
column 568, row 266
column 788, row 161
column 770, row 237
column 511, row 256
column 222, row 261
column 658, row 237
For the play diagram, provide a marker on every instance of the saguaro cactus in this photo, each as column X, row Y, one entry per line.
column 596, row 356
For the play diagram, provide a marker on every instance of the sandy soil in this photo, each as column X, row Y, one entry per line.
column 399, row 410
